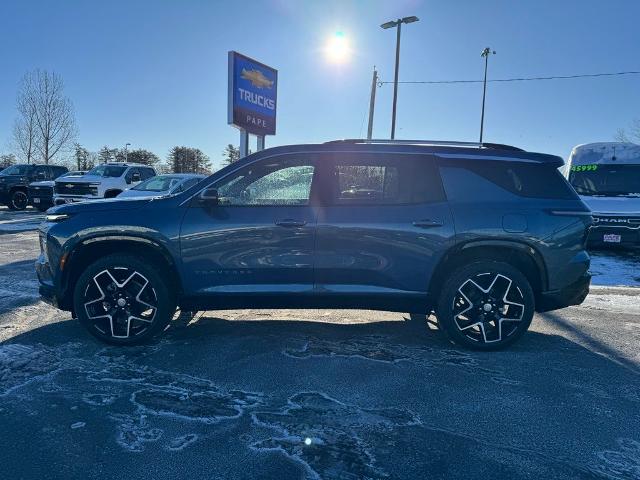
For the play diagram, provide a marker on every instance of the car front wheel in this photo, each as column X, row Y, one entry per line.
column 486, row 305
column 19, row 200
column 122, row 300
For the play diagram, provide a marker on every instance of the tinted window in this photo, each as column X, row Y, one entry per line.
column 57, row 171
column 524, row 179
column 147, row 173
column 386, row 181
column 268, row 183
column 16, row 170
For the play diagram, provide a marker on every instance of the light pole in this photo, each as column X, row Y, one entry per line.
column 398, row 24
column 126, row 152
column 485, row 53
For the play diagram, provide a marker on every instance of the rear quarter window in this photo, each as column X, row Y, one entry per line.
column 530, row 180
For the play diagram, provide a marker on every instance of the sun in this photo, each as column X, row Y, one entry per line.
column 337, row 49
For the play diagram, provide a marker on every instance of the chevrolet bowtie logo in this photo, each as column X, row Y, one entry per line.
column 257, row 78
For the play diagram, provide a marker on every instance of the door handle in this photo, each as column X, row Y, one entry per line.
column 427, row 223
column 289, row 222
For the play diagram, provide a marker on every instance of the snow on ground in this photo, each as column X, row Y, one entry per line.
column 615, row 268
column 19, row 221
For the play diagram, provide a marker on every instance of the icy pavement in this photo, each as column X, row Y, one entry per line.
column 315, row 394
column 615, row 267
column 19, row 221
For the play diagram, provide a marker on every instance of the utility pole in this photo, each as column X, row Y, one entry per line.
column 372, row 102
column 485, row 53
column 126, row 152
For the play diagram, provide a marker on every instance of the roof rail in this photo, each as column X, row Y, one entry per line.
column 446, row 143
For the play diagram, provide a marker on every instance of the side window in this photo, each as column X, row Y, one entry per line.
column 524, row 179
column 41, row 172
column 147, row 173
column 189, row 183
column 268, row 183
column 57, row 171
column 372, row 180
column 131, row 173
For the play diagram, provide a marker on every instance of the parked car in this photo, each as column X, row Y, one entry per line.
column 41, row 193
column 15, row 180
column 606, row 175
column 107, row 180
column 162, row 185
column 482, row 234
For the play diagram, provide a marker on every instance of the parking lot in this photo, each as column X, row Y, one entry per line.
column 317, row 393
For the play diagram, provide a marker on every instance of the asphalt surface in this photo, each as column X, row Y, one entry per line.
column 316, row 394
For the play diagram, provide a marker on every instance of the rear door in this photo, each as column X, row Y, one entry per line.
column 384, row 226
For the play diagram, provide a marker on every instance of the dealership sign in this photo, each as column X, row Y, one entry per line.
column 253, row 91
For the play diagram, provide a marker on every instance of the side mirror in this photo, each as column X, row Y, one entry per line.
column 135, row 177
column 40, row 176
column 209, row 196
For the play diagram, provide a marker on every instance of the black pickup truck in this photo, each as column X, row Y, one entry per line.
column 15, row 180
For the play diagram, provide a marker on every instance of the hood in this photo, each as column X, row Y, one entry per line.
column 110, row 204
column 614, row 205
column 83, row 179
column 44, row 183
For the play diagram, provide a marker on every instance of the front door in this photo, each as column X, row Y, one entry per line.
column 259, row 239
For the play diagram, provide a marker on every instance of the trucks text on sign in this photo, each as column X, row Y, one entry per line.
column 253, row 92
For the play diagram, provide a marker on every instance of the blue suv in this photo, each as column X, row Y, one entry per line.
column 481, row 234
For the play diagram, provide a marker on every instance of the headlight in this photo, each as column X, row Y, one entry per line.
column 56, row 217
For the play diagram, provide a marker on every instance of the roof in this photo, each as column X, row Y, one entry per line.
column 124, row 164
column 447, row 150
column 181, row 175
column 605, row 153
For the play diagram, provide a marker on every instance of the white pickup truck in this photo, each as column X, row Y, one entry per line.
column 606, row 175
column 107, row 180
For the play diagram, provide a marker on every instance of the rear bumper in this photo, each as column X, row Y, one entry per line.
column 573, row 294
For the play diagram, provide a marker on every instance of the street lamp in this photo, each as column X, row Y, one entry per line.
column 397, row 23
column 126, row 152
column 485, row 53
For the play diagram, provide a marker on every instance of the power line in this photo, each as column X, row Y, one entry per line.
column 520, row 79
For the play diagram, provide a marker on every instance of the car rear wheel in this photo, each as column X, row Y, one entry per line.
column 122, row 300
column 18, row 200
column 486, row 305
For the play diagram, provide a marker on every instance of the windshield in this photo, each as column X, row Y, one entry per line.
column 606, row 180
column 15, row 170
column 158, row 184
column 107, row 171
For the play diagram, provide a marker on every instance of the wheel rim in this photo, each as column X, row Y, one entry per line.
column 120, row 303
column 20, row 200
column 488, row 308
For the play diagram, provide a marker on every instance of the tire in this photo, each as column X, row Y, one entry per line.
column 486, row 305
column 18, row 200
column 121, row 300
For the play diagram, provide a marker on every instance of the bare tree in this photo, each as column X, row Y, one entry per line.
column 25, row 128
column 42, row 97
column 632, row 135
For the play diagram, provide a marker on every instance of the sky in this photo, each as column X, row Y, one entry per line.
column 153, row 73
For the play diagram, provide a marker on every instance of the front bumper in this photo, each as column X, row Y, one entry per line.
column 628, row 237
column 64, row 199
column 573, row 294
